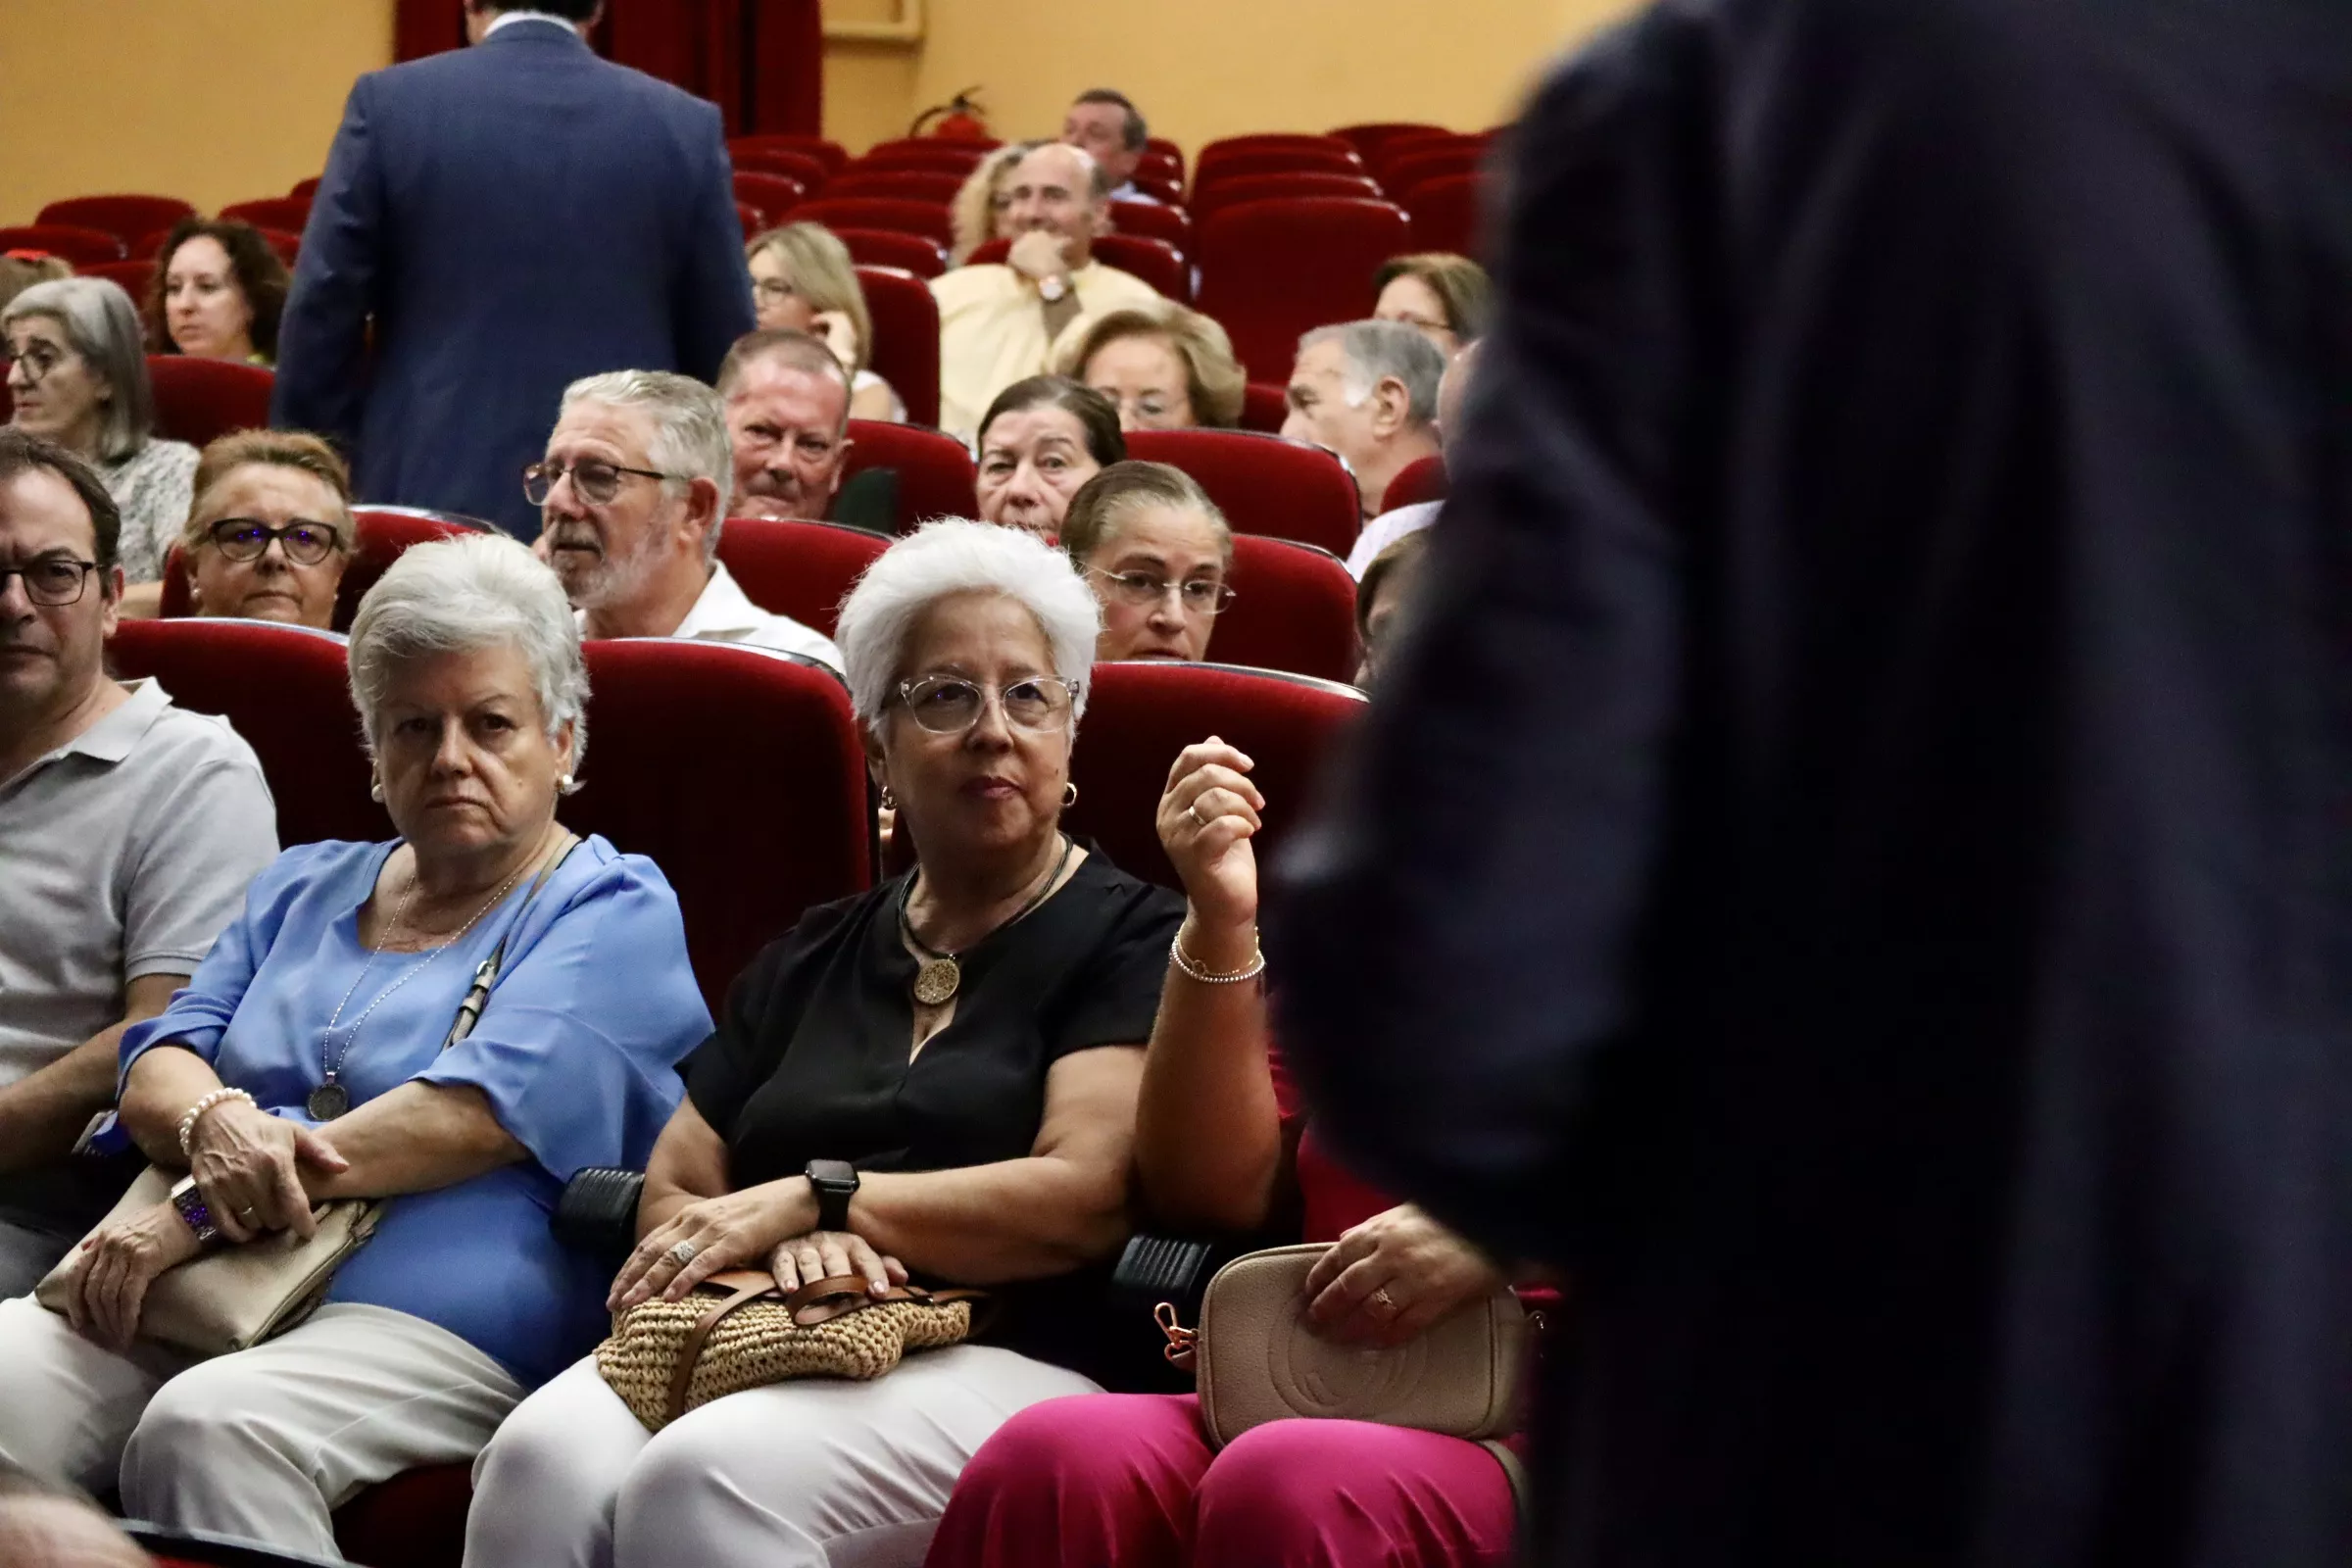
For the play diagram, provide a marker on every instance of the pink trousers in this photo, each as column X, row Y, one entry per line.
column 1128, row 1481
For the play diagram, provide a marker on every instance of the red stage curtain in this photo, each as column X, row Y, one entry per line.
column 760, row 60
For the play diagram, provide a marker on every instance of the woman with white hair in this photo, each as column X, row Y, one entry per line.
column 935, row 1079
column 78, row 372
column 314, row 1055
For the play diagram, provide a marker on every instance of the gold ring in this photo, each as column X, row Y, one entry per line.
column 1385, row 1302
column 1198, row 819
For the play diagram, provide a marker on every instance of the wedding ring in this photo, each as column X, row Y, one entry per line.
column 1384, row 1301
column 247, row 1215
column 683, row 1253
column 1198, row 819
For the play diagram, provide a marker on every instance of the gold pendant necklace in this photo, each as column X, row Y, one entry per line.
column 940, row 975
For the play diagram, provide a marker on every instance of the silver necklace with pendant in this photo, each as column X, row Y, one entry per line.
column 940, row 975
column 330, row 1099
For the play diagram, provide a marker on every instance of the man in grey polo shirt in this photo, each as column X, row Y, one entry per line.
column 129, row 831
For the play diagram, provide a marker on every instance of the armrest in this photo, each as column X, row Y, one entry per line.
column 1175, row 1270
column 598, row 1213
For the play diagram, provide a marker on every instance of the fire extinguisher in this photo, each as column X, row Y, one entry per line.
column 961, row 118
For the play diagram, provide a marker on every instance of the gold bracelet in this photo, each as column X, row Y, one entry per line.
column 1192, row 971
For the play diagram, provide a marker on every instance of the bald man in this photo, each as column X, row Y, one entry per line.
column 999, row 324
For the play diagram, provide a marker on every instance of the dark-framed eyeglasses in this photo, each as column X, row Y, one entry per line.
column 596, row 480
column 1201, row 596
column 52, row 580
column 950, row 704
column 37, row 358
column 305, row 543
column 772, row 290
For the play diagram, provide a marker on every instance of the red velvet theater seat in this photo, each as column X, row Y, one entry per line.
column 72, row 243
column 383, row 533
column 1244, row 188
column 125, row 217
column 905, row 347
column 1139, row 716
column 199, row 400
column 1270, row 271
column 812, row 173
column 927, row 219
column 1292, row 610
column 740, row 773
column 1263, row 483
column 774, row 195
column 1421, row 480
column 918, row 254
column 831, row 153
column 801, row 570
column 287, row 213
column 287, row 692
column 1153, row 221
column 936, row 477
column 928, row 185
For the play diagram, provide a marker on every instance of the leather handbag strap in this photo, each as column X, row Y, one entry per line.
column 681, row 1376
column 844, row 1293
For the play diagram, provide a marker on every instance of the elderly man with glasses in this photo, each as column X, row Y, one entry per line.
column 128, row 830
column 632, row 494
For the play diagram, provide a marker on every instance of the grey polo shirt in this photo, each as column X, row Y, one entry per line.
column 124, row 853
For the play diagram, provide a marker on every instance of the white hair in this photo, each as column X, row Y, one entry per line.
column 1374, row 351
column 690, row 430
column 954, row 555
column 460, row 595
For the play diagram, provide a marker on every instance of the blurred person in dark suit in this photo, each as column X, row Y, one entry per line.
column 512, row 217
column 1852, row 861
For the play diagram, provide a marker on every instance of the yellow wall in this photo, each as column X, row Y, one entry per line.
column 213, row 100
column 221, row 100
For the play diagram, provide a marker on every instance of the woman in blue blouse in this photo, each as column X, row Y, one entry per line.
column 306, row 1062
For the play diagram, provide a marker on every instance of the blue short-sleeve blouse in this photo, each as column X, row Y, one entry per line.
column 576, row 1052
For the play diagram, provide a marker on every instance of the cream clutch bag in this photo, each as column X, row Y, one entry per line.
column 233, row 1299
column 1256, row 1360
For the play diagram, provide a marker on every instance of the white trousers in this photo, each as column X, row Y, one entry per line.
column 263, row 1445
column 812, row 1473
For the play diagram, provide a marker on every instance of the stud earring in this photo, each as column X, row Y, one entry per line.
column 1070, row 796
column 376, row 789
column 567, row 785
column 890, row 801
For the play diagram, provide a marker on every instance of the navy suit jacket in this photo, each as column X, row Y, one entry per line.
column 1856, row 860
column 512, row 217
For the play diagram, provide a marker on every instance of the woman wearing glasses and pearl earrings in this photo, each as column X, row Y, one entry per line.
column 1155, row 550
column 270, row 531
column 935, row 1079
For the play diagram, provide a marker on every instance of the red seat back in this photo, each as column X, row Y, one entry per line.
column 831, row 153
column 1419, row 482
column 936, row 475
column 1159, row 164
column 286, row 690
column 287, row 245
column 905, row 348
column 1161, row 149
column 881, row 247
column 1261, row 141
column 415, row 1520
column 1250, row 161
column 198, row 400
column 125, row 218
column 776, row 195
column 952, row 157
column 307, row 188
column 1154, row 261
column 810, row 171
column 1154, row 221
column 1367, row 139
column 1405, row 175
column 134, row 278
column 69, row 242
column 896, row 184
column 1264, row 484
column 927, row 219
column 1385, row 158
column 1271, row 270
column 1445, row 213
column 1265, row 407
column 287, row 213
column 1214, row 199
column 801, row 570
column 1294, row 609
column 1139, row 716
column 379, row 536
column 770, row 818
column 749, row 219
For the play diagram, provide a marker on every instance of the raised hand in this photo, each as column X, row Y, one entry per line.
column 1207, row 815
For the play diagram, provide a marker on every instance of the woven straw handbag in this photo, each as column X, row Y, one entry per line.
column 739, row 1330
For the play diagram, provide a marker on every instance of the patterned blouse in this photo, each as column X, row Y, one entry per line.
column 155, row 486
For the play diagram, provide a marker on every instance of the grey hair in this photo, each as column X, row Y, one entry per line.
column 1378, row 350
column 954, row 555
column 454, row 596
column 103, row 326
column 690, row 430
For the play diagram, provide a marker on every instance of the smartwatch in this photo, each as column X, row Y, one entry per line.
column 836, row 1183
column 189, row 1200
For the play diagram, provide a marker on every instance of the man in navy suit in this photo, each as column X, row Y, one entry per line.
column 512, row 217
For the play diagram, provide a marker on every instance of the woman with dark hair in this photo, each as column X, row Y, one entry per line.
column 218, row 293
column 1447, row 298
column 1038, row 442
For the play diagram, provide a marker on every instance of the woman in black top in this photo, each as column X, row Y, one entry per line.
column 935, row 1079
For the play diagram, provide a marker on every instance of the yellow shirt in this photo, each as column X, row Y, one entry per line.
column 991, row 332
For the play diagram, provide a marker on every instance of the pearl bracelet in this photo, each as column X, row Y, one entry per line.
column 1192, row 971
column 195, row 1113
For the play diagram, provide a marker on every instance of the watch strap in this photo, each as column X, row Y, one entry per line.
column 189, row 1198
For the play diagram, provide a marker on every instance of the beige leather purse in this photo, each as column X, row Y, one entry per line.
column 1256, row 1360
column 234, row 1299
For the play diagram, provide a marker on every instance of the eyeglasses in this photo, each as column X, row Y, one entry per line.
column 772, row 290
column 597, row 482
column 305, row 543
column 53, row 580
column 37, row 358
column 950, row 704
column 1201, row 596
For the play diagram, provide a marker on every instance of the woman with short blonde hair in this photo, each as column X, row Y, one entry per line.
column 270, row 531
column 1166, row 367
column 977, row 210
column 803, row 278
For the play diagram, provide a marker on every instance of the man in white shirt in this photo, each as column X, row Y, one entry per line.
column 1110, row 129
column 632, row 494
column 1394, row 525
column 129, row 831
column 1001, row 323
column 788, row 414
column 1368, row 392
